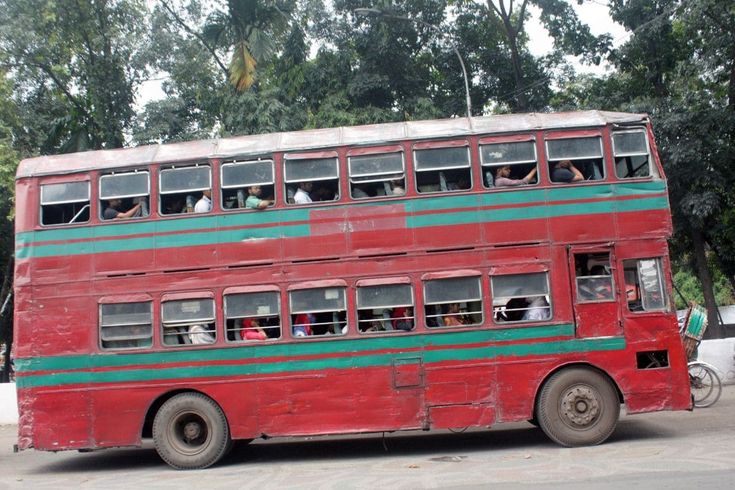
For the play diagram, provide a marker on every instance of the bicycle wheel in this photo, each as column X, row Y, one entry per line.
column 705, row 385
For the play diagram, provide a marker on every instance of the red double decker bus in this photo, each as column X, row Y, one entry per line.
column 418, row 275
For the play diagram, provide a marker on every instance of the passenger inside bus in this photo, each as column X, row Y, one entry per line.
column 402, row 318
column 201, row 334
column 251, row 330
column 112, row 211
column 565, row 171
column 503, row 177
column 453, row 317
column 538, row 309
column 254, row 201
column 204, row 204
column 302, row 195
column 302, row 325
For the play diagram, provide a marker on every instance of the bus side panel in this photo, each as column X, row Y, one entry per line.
column 654, row 223
column 53, row 421
column 63, row 322
column 119, row 413
column 344, row 401
column 379, row 229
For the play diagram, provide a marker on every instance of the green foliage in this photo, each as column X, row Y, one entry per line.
column 691, row 288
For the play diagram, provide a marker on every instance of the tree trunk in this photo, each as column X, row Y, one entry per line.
column 714, row 330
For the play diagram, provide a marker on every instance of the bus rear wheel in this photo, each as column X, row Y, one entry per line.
column 578, row 407
column 190, row 431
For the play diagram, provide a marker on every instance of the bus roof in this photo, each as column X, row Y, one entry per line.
column 263, row 144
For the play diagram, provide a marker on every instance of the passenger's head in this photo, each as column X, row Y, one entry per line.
column 306, row 186
column 254, row 190
column 114, row 203
column 207, row 193
column 564, row 164
column 598, row 270
column 503, row 171
column 453, row 307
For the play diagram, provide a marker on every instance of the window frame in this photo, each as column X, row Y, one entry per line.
column 229, row 292
column 551, row 162
column 245, row 187
column 615, row 155
column 492, row 167
column 101, row 198
column 189, row 322
column 404, row 282
column 435, row 277
column 442, row 145
column 392, row 176
column 326, row 155
column 548, row 294
column 161, row 172
column 101, row 325
column 88, row 202
column 328, row 284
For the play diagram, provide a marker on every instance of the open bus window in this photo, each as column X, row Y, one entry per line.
column 311, row 180
column 252, row 316
column 520, row 156
column 594, row 277
column 239, row 177
column 188, row 321
column 584, row 153
column 632, row 158
column 319, row 311
column 65, row 203
column 126, row 325
column 521, row 297
column 377, row 175
column 387, row 307
column 182, row 187
column 644, row 288
column 453, row 302
column 443, row 169
column 121, row 192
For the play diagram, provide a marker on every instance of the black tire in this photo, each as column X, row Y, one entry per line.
column 705, row 384
column 578, row 407
column 190, row 432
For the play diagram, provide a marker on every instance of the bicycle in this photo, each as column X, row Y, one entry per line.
column 705, row 383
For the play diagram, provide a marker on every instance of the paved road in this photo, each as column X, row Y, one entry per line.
column 659, row 450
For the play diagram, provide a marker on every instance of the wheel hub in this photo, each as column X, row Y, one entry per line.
column 580, row 406
column 192, row 430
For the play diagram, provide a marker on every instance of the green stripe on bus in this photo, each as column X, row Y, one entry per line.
column 276, row 224
column 345, row 362
column 301, row 348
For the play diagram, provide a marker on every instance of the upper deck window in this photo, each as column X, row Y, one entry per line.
column 65, row 203
column 584, row 154
column 126, row 325
column 182, row 188
column 521, row 297
column 632, row 158
column 318, row 311
column 509, row 164
column 453, row 302
column 377, row 175
column 124, row 195
column 311, row 179
column 253, row 316
column 188, row 321
column 385, row 307
column 240, row 180
column 443, row 169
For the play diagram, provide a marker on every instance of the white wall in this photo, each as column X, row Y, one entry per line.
column 8, row 404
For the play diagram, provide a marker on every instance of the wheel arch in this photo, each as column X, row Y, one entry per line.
column 570, row 365
column 147, row 429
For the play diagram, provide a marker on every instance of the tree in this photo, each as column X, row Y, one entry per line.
column 83, row 53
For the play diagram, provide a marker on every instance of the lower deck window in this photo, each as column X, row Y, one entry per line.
column 252, row 316
column 126, row 325
column 644, row 288
column 385, row 308
column 453, row 302
column 521, row 297
column 594, row 277
column 189, row 321
column 318, row 311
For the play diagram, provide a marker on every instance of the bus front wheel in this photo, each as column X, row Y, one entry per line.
column 578, row 407
column 190, row 431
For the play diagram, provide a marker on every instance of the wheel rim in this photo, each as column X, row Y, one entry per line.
column 580, row 407
column 189, row 433
column 702, row 383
